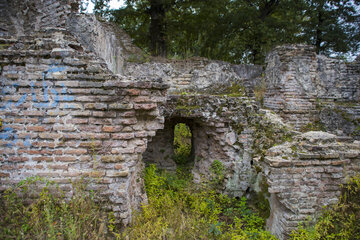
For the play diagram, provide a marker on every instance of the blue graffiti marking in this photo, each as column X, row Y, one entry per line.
column 9, row 134
column 56, row 98
column 66, row 97
column 46, row 90
column 27, row 142
column 53, row 69
column 33, row 92
column 21, row 100
column 7, row 105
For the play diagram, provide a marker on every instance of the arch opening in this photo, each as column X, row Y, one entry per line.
column 183, row 144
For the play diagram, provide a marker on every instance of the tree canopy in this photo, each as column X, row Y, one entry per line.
column 238, row 31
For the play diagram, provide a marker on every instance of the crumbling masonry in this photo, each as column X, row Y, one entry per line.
column 79, row 100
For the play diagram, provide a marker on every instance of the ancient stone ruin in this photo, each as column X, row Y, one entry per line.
column 79, row 100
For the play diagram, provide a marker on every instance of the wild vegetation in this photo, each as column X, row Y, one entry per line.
column 182, row 143
column 175, row 210
column 178, row 210
column 48, row 215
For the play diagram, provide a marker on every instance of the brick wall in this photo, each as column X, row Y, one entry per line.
column 22, row 17
column 304, row 175
column 296, row 78
column 64, row 116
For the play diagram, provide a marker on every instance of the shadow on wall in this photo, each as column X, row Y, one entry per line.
column 172, row 146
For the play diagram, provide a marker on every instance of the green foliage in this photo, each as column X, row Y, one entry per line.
column 49, row 216
column 340, row 221
column 217, row 172
column 182, row 143
column 238, row 31
column 178, row 210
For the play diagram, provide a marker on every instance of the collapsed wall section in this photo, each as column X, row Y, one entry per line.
column 65, row 116
column 304, row 175
column 198, row 75
column 297, row 80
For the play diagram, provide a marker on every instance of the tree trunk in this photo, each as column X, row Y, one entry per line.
column 157, row 28
column 319, row 38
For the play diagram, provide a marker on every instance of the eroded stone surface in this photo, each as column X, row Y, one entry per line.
column 305, row 174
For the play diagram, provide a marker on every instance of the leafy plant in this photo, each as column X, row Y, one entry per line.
column 182, row 143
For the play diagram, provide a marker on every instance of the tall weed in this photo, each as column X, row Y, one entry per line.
column 49, row 215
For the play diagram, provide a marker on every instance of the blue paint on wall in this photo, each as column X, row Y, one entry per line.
column 27, row 141
column 9, row 134
column 66, row 97
column 21, row 100
column 56, row 98
column 33, row 94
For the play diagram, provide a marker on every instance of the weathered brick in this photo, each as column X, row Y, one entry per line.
column 147, row 106
column 113, row 173
column 77, row 121
column 50, row 135
column 112, row 158
column 77, row 151
column 133, row 91
column 72, row 174
column 127, row 114
column 43, row 144
column 96, row 174
column 104, row 114
column 141, row 134
column 100, row 121
column 141, row 99
column 119, row 167
column 26, row 120
column 48, row 174
column 119, row 106
column 65, row 159
column 31, row 167
column 43, row 158
column 81, row 113
column 59, row 167
column 4, row 175
column 128, row 121
column 37, row 128
column 122, row 136
column 111, row 128
column 33, row 113
column 66, row 128
column 97, row 106
column 57, row 113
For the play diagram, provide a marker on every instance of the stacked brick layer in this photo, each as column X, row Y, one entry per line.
column 297, row 78
column 304, row 175
column 64, row 115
